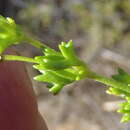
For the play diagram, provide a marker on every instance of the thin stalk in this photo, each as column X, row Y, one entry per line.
column 17, row 58
column 105, row 80
column 110, row 82
column 36, row 43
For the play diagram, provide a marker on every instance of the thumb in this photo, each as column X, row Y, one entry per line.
column 18, row 106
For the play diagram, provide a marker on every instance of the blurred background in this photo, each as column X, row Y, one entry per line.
column 100, row 30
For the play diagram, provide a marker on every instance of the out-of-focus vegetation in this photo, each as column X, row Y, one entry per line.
column 75, row 19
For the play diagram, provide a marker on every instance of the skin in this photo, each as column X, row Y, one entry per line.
column 18, row 105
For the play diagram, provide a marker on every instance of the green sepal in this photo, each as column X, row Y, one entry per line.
column 56, row 88
column 49, row 51
column 67, row 74
column 53, row 65
column 67, row 50
column 42, row 59
column 52, row 77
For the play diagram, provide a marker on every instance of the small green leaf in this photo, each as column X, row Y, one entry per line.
column 117, row 92
column 125, row 118
column 122, row 76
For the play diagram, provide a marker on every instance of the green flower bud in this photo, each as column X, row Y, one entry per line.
column 10, row 33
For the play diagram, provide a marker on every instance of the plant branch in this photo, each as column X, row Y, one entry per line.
column 35, row 43
column 17, row 58
column 109, row 82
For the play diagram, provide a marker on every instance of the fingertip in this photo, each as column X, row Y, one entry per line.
column 18, row 106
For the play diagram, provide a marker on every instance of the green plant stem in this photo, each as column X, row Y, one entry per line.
column 35, row 43
column 109, row 82
column 17, row 58
column 102, row 79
